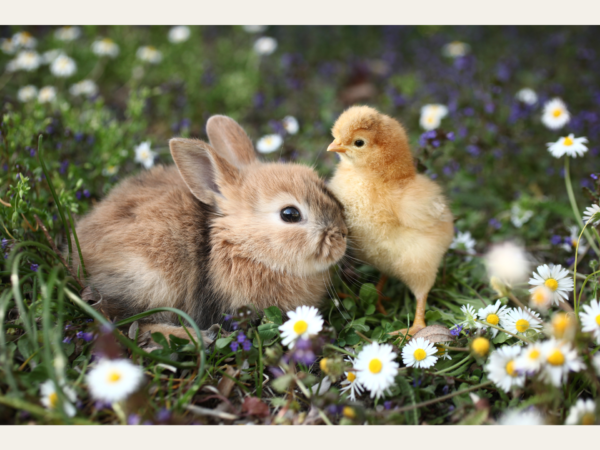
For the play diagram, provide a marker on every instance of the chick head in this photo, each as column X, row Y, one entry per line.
column 365, row 137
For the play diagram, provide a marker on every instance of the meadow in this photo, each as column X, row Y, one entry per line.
column 85, row 107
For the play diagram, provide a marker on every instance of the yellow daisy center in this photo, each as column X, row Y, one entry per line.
column 300, row 327
column 349, row 412
column 551, row 284
column 510, row 368
column 420, row 354
column 556, row 358
column 323, row 365
column 481, row 346
column 430, row 119
column 588, row 419
column 53, row 398
column 568, row 141
column 522, row 325
column 152, row 49
column 375, row 366
column 560, row 323
column 493, row 319
column 538, row 297
column 534, row 354
column 144, row 154
column 557, row 112
column 107, row 41
column 113, row 377
column 351, row 377
column 598, row 319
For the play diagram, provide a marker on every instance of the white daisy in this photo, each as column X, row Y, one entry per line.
column 470, row 316
column 179, row 34
column 519, row 217
column 49, row 56
column 27, row 93
column 508, row 263
column 149, row 54
column 582, row 413
column 110, row 171
column 432, row 115
column 501, row 368
column 24, row 39
column 8, row 46
column 529, row 417
column 442, row 352
column 47, row 94
column 569, row 145
column 530, row 360
column 63, row 66
column 559, row 359
column 290, row 124
column 28, row 60
column 590, row 319
column 105, row 47
column 376, row 368
column 419, row 353
column 265, row 45
column 84, row 87
column 12, row 65
column 67, row 33
column 49, row 397
column 455, row 49
column 351, row 383
column 596, row 363
column 555, row 114
column 590, row 213
column 465, row 242
column 563, row 326
column 305, row 321
column 541, row 298
column 519, row 321
column 254, row 28
column 554, row 278
column 144, row 155
column 494, row 314
column 527, row 96
column 573, row 238
column 269, row 143
column 113, row 380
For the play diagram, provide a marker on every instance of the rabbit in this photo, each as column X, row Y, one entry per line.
column 216, row 231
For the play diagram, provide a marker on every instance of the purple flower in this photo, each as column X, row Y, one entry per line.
column 4, row 243
column 163, row 415
column 455, row 331
column 450, row 135
column 79, row 136
column 31, row 151
column 556, row 239
column 594, row 176
column 86, row 193
column 235, row 325
column 228, row 317
column 247, row 345
column 34, row 267
column 78, row 195
column 234, row 346
column 303, row 352
column 495, row 223
column 67, row 340
column 133, row 419
column 241, row 338
column 570, row 260
column 63, row 167
column 445, row 389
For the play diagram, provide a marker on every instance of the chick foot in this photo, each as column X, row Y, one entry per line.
column 411, row 331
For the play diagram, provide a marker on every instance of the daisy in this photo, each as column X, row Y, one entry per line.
column 569, row 145
column 85, row 87
column 149, row 54
column 501, row 368
column 49, row 56
column 582, row 413
column 455, row 49
column 28, row 60
column 590, row 319
column 519, row 321
column 494, row 314
column 527, row 96
column 67, row 33
column 351, row 383
column 541, row 298
column 432, row 115
column 269, row 143
column 596, row 363
column 8, row 46
column 530, row 360
column 531, row 417
column 442, row 352
column 591, row 212
column 290, row 124
column 254, row 28
column 27, row 93
column 508, row 263
column 105, row 47
column 376, row 368
column 559, row 359
column 470, row 316
column 563, row 326
column 555, row 114
column 110, row 171
column 144, row 155
column 518, row 217
column 113, row 380
column 179, row 34
column 265, row 45
column 465, row 242
column 50, row 397
column 63, row 66
column 47, row 94
column 554, row 278
column 24, row 39
column 419, row 353
column 305, row 321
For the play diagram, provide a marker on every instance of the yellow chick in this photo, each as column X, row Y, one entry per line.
column 398, row 220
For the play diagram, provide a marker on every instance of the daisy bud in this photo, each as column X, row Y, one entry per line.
column 349, row 412
column 323, row 365
column 480, row 346
column 563, row 326
column 541, row 298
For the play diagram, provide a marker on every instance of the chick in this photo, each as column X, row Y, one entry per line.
column 398, row 220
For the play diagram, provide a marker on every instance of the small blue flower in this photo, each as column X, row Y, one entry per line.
column 235, row 325
column 241, row 338
column 445, row 389
column 455, row 331
column 387, row 404
column 450, row 135
column 4, row 243
column 133, row 419
column 234, row 346
column 247, row 345
column 67, row 340
column 34, row 267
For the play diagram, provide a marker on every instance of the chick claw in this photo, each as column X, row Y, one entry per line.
column 416, row 327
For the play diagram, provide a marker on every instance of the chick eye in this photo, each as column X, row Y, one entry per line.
column 290, row 214
column 359, row 143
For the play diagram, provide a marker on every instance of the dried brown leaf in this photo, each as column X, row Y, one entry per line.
column 255, row 407
column 434, row 333
column 226, row 384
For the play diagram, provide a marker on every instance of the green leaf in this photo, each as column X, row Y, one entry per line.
column 352, row 338
column 476, row 418
column 273, row 313
column 160, row 340
column 24, row 348
column 368, row 294
column 349, row 304
column 370, row 310
column 432, row 316
column 501, row 338
column 223, row 342
column 282, row 383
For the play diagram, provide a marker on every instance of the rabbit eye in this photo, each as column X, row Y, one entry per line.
column 359, row 143
column 290, row 214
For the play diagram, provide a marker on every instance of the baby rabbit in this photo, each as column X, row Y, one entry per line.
column 217, row 231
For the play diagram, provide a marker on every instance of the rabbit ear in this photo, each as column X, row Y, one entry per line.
column 202, row 168
column 230, row 139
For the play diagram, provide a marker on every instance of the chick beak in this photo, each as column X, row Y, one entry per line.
column 335, row 147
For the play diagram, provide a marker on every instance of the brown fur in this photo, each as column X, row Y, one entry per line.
column 205, row 235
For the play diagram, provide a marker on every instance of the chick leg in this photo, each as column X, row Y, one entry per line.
column 380, row 295
column 419, row 322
